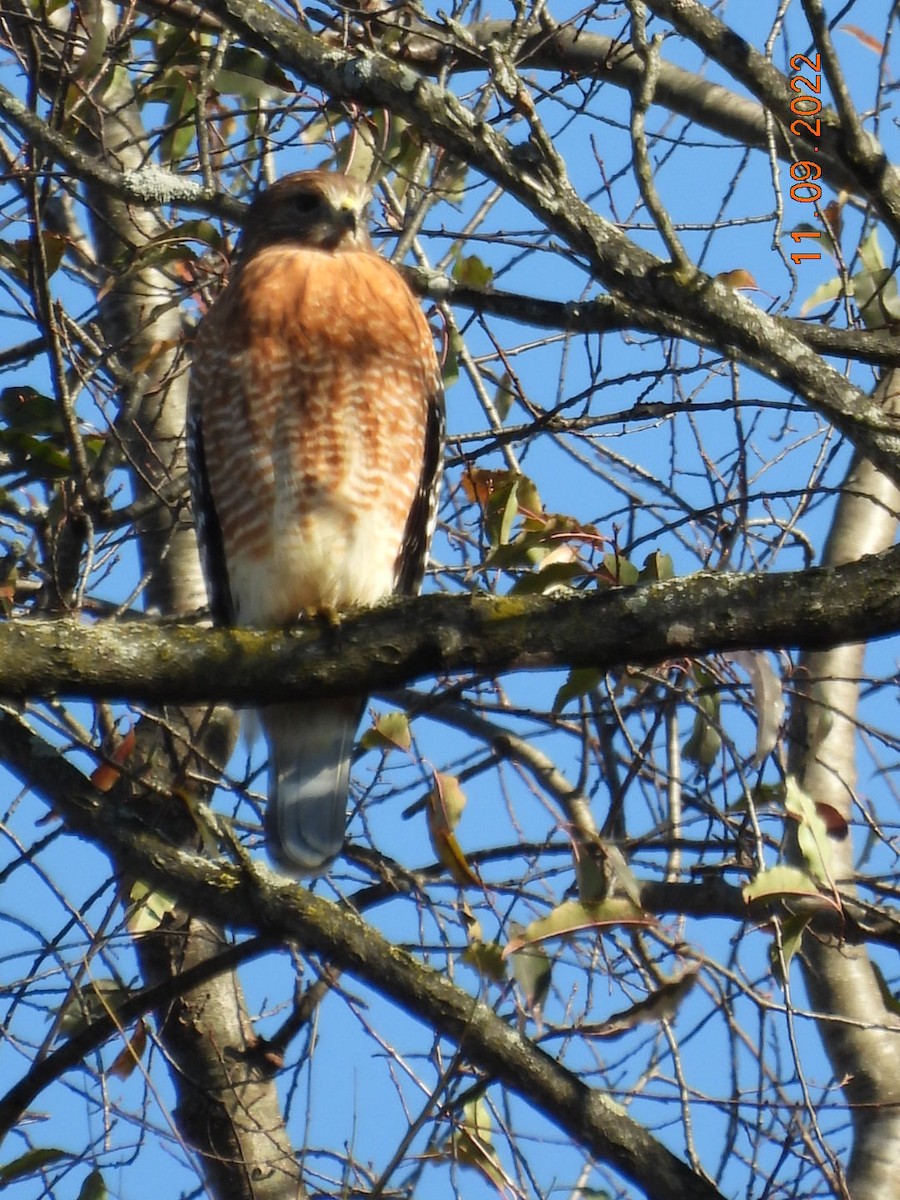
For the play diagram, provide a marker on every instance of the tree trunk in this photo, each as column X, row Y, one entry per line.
column 228, row 1110
column 861, row 1035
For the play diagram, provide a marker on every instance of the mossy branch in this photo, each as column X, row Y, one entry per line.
column 409, row 639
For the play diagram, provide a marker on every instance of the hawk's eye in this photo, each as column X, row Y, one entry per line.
column 307, row 202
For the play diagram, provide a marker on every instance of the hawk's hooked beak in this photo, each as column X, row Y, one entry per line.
column 348, row 214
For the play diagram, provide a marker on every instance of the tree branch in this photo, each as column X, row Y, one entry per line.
column 254, row 897
column 709, row 310
column 604, row 314
column 407, row 639
column 860, row 152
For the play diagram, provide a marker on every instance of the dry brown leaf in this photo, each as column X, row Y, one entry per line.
column 740, row 277
column 861, row 36
column 106, row 776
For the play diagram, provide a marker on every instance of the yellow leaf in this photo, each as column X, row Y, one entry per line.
column 451, row 797
column 470, row 271
column 779, row 882
column 449, row 852
column 573, row 915
column 486, row 958
column 443, row 809
column 389, row 731
column 151, row 906
column 471, row 1144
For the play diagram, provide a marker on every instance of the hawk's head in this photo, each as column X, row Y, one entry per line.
column 313, row 208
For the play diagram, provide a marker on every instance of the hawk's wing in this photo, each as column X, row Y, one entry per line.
column 209, row 534
column 423, row 514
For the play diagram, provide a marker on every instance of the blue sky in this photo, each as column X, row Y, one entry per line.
column 659, row 484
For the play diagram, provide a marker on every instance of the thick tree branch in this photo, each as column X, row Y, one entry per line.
column 407, row 639
column 704, row 310
column 150, row 186
column 153, row 186
column 574, row 49
column 606, row 314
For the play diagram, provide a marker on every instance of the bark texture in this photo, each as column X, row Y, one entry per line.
column 861, row 1034
column 228, row 1111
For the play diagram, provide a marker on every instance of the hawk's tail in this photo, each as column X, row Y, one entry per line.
column 310, row 752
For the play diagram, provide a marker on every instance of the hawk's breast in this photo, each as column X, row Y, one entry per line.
column 316, row 371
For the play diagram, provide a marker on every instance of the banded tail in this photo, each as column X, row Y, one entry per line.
column 310, row 753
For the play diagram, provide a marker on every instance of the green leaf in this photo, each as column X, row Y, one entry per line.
column 93, row 1187
column 812, row 834
column 470, row 271
column 874, row 288
column 450, row 365
column 246, row 73
column 824, row 294
column 792, row 928
column 18, row 255
column 657, row 568
column 504, row 397
column 96, row 1000
column 29, row 412
column 555, row 577
column 592, row 876
column 29, row 1164
column 780, row 882
column 572, row 916
column 179, row 123
column 451, row 183
column 580, row 682
column 823, row 239
column 876, row 297
column 768, row 698
column 705, row 741
column 532, row 969
column 38, row 458
column 890, row 1001
column 620, row 570
column 870, row 253
column 174, row 244
column 507, row 510
column 508, row 502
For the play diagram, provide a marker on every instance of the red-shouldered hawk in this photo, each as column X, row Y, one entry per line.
column 315, row 433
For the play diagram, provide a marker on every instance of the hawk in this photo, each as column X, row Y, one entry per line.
column 315, row 432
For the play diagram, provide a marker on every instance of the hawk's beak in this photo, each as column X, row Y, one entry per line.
column 348, row 214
